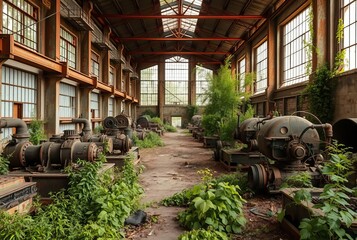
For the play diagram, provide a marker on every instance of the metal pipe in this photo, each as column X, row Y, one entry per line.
column 86, row 127
column 19, row 124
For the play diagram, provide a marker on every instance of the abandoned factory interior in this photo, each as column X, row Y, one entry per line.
column 178, row 119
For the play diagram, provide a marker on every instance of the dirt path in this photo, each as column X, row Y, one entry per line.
column 172, row 168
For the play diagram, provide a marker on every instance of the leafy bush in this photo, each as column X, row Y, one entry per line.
column 227, row 127
column 210, row 122
column 151, row 140
column 183, row 198
column 218, row 206
column 36, row 131
column 203, row 234
column 299, row 180
column 4, row 164
column 94, row 207
column 191, row 111
column 334, row 200
column 157, row 120
column 170, row 128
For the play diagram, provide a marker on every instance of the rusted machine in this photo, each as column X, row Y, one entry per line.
column 101, row 140
column 143, row 122
column 119, row 130
column 293, row 143
column 48, row 155
column 245, row 134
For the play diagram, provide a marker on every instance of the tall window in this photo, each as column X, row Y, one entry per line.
column 261, row 67
column 111, row 76
column 241, row 75
column 202, row 77
column 295, row 56
column 111, row 107
column 149, row 86
column 176, row 81
column 95, row 65
column 68, row 48
column 349, row 42
column 20, row 18
column 67, row 101
column 94, row 105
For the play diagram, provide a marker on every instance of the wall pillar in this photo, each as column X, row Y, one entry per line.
column 161, row 90
column 51, row 116
column 52, row 33
column 321, row 32
column 272, row 73
column 192, row 82
column 84, row 98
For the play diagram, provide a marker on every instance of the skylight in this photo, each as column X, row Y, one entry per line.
column 174, row 27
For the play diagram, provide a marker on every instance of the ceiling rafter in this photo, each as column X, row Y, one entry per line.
column 224, row 17
column 178, row 39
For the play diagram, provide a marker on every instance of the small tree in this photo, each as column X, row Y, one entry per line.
column 223, row 100
column 36, row 130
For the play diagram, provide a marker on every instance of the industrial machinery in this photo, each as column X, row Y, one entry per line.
column 293, row 143
column 119, row 130
column 48, row 155
column 144, row 122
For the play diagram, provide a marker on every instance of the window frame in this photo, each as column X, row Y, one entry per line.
column 20, row 35
column 304, row 77
column 148, row 98
column 240, row 75
column 352, row 45
column 71, row 64
column 257, row 79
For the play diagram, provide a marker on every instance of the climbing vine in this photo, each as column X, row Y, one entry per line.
column 320, row 89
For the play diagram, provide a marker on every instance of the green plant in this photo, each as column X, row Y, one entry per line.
column 94, row 207
column 183, row 198
column 216, row 205
column 36, row 131
column 170, row 128
column 227, row 128
column 320, row 89
column 157, row 120
column 151, row 140
column 191, row 111
column 222, row 99
column 149, row 113
column 299, row 180
column 335, row 198
column 98, row 129
column 247, row 113
column 203, row 234
column 4, row 164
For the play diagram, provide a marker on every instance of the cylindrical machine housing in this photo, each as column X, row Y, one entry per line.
column 124, row 121
column 288, row 138
column 143, row 121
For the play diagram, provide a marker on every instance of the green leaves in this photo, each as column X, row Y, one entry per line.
column 217, row 207
column 94, row 207
column 335, row 200
column 203, row 234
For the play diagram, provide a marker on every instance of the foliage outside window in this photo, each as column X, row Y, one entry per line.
column 176, row 81
column 261, row 67
column 20, row 19
column 349, row 42
column 68, row 48
column 295, row 52
column 202, row 76
column 149, row 86
column 241, row 75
